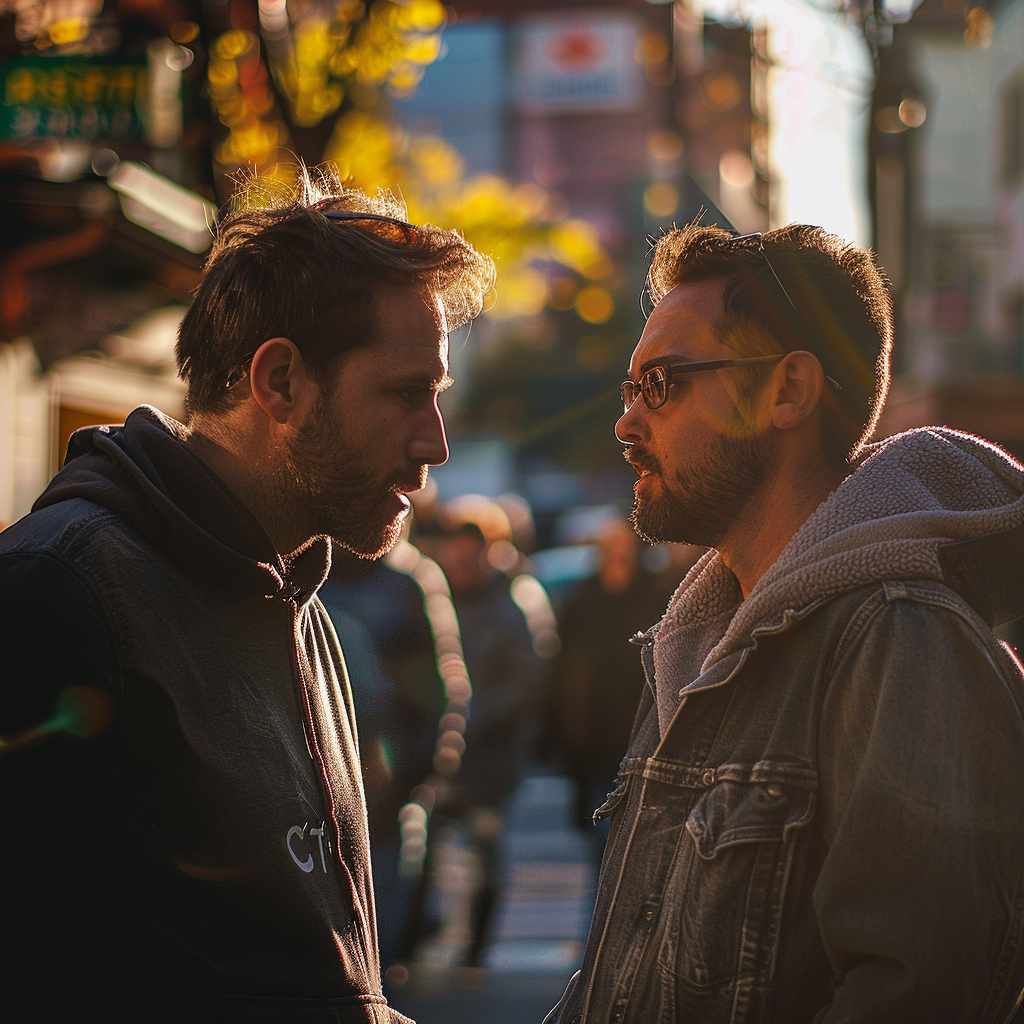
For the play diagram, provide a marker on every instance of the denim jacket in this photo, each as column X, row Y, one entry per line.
column 830, row 824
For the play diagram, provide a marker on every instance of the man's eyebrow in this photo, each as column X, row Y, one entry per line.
column 423, row 380
column 663, row 361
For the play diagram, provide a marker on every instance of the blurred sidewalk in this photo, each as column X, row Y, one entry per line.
column 539, row 929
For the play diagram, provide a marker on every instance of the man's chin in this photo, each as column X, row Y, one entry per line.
column 657, row 524
column 645, row 530
column 648, row 522
column 372, row 546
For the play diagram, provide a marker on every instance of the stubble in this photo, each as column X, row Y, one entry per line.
column 337, row 491
column 701, row 504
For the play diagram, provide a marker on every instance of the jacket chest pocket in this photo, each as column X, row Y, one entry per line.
column 724, row 897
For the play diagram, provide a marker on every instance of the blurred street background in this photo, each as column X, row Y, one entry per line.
column 540, row 928
column 488, row 654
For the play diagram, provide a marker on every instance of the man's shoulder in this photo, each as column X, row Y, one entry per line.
column 922, row 625
column 55, row 528
column 74, row 538
column 852, row 609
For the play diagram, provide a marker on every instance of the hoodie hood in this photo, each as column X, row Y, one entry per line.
column 145, row 475
column 932, row 503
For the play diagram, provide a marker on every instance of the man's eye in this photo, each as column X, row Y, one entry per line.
column 414, row 394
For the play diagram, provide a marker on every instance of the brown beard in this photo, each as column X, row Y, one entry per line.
column 336, row 491
column 702, row 507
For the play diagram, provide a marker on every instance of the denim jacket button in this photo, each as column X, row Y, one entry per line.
column 775, row 790
column 709, row 777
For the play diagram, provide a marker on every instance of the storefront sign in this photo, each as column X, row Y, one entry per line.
column 576, row 63
column 67, row 96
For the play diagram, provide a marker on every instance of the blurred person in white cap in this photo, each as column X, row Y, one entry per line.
column 506, row 673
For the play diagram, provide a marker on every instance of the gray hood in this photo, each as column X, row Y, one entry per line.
column 931, row 503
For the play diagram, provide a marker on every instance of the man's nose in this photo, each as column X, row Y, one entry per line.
column 429, row 446
column 629, row 427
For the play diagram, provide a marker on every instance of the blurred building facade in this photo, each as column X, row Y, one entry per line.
column 103, row 144
column 631, row 116
column 627, row 115
column 947, row 163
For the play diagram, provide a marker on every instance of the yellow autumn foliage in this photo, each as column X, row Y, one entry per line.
column 514, row 225
column 353, row 52
column 325, row 48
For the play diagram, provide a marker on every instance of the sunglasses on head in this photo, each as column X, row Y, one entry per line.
column 409, row 232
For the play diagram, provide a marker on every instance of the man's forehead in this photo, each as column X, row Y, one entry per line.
column 408, row 300
column 405, row 312
column 425, row 354
column 681, row 325
column 414, row 342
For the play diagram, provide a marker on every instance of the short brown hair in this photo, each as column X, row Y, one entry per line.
column 280, row 267
column 841, row 311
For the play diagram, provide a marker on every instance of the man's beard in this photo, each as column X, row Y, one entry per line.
column 702, row 506
column 335, row 491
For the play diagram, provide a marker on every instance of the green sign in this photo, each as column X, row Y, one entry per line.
column 92, row 98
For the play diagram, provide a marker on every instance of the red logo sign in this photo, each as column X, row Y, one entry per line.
column 577, row 49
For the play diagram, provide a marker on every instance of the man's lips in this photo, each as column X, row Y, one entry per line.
column 642, row 462
column 402, row 488
column 409, row 484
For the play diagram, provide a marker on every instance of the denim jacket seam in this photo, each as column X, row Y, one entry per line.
column 611, row 903
column 1011, row 949
column 856, row 626
column 638, row 956
column 940, row 595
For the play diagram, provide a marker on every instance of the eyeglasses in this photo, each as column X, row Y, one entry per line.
column 654, row 385
column 238, row 372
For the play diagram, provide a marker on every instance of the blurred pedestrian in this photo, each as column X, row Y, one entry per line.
column 399, row 699
column 375, row 699
column 595, row 682
column 182, row 732
column 821, row 811
column 506, row 674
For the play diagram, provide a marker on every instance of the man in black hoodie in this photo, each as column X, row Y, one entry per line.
column 184, row 816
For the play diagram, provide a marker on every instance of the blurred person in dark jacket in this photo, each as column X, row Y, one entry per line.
column 595, row 682
column 182, row 780
column 506, row 675
column 398, row 704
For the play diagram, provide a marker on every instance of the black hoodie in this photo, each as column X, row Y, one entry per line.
column 182, row 780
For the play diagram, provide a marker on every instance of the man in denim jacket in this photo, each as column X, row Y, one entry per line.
column 820, row 816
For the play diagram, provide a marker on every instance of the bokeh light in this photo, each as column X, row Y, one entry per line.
column 595, row 304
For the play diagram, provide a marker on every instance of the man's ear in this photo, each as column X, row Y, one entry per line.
column 799, row 381
column 278, row 378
